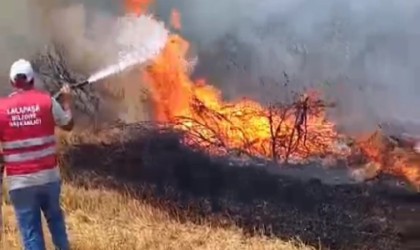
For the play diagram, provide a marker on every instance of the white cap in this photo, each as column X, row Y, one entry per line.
column 21, row 66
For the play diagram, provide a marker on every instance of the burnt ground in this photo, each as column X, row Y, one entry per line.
column 193, row 186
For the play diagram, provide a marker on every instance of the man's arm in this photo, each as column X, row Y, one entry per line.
column 62, row 115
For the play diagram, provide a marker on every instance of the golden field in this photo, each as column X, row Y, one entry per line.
column 103, row 219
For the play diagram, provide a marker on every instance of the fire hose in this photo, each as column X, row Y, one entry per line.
column 72, row 86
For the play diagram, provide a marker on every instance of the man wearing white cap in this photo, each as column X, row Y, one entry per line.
column 27, row 121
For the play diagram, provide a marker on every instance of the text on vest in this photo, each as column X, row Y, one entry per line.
column 24, row 116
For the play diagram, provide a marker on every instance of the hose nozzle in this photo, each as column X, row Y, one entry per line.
column 72, row 86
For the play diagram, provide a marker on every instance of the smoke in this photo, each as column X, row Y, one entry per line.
column 27, row 26
column 363, row 54
column 98, row 36
column 87, row 30
column 20, row 35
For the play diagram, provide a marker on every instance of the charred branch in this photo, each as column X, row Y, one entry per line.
column 54, row 71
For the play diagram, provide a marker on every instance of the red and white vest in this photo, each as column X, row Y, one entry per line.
column 27, row 139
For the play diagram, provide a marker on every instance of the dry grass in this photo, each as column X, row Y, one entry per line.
column 100, row 218
column 103, row 219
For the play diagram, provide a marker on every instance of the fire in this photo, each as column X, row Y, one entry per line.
column 391, row 158
column 137, row 7
column 297, row 131
column 242, row 126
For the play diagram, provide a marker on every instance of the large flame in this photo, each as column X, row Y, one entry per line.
column 245, row 126
column 219, row 126
column 137, row 6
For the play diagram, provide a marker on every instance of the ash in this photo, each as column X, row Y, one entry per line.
column 192, row 186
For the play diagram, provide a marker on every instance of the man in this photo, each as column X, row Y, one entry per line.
column 27, row 121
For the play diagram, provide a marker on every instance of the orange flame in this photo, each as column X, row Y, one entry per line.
column 137, row 7
column 244, row 126
column 212, row 123
column 392, row 159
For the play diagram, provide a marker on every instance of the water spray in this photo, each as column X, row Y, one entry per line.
column 145, row 37
column 117, row 68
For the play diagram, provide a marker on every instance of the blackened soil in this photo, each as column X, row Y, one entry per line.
column 195, row 187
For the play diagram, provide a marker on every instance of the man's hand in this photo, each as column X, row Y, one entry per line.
column 66, row 96
column 62, row 113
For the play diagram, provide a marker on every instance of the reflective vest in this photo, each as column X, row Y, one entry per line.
column 27, row 139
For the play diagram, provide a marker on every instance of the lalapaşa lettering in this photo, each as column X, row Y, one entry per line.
column 23, row 110
column 24, row 116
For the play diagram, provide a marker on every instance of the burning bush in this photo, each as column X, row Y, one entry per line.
column 285, row 131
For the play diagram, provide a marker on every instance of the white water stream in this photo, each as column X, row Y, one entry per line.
column 143, row 38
